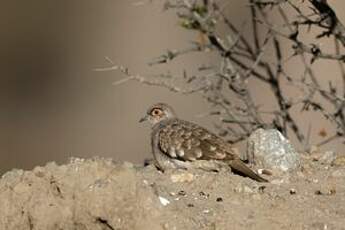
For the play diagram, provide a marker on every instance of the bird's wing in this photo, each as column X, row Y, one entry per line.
column 187, row 141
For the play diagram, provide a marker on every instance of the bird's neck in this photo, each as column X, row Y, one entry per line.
column 163, row 123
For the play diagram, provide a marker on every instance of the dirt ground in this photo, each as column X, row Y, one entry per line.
column 101, row 194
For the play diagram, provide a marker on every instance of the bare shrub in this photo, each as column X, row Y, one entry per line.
column 274, row 25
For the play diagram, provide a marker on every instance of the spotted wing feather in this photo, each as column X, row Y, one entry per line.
column 187, row 141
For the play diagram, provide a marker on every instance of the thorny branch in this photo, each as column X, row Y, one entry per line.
column 243, row 59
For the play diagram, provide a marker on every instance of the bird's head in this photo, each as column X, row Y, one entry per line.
column 157, row 113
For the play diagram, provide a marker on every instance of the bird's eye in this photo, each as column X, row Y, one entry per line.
column 156, row 112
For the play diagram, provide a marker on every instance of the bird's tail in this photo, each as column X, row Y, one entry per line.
column 239, row 167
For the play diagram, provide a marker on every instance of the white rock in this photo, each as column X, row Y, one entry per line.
column 164, row 201
column 270, row 149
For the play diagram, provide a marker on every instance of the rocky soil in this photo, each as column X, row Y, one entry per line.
column 101, row 194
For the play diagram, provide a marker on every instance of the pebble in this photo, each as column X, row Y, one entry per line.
column 219, row 199
column 328, row 192
column 243, row 189
column 164, row 201
column 293, row 191
column 182, row 177
column 182, row 193
column 277, row 181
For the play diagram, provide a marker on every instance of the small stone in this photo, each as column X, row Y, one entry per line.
column 204, row 195
column 327, row 191
column 39, row 171
column 190, row 205
column 261, row 189
column 277, row 181
column 243, row 189
column 182, row 193
column 148, row 161
column 164, row 201
column 318, row 192
column 332, row 191
column 219, row 199
column 293, row 191
column 265, row 171
column 76, row 160
column 172, row 193
column 270, row 149
column 246, row 189
column 206, row 211
column 182, row 177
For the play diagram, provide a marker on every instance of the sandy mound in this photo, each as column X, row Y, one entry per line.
column 100, row 194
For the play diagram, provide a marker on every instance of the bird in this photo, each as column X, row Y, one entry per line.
column 177, row 143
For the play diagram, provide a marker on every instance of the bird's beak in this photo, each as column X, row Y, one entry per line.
column 143, row 119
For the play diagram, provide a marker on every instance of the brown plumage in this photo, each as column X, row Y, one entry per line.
column 176, row 141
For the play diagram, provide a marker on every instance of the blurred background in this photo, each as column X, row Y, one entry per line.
column 54, row 106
